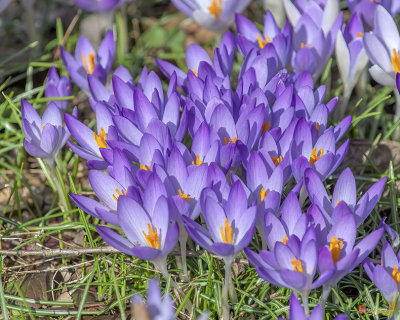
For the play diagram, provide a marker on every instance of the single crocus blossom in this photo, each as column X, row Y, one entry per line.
column 345, row 191
column 383, row 49
column 350, row 56
column 90, row 142
column 386, row 275
column 230, row 229
column 150, row 236
column 215, row 15
column 57, row 87
column 88, row 61
column 44, row 137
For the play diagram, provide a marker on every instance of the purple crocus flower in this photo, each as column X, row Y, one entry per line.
column 157, row 307
column 386, row 275
column 57, row 87
column 383, row 48
column 89, row 62
column 230, row 225
column 350, row 56
column 398, row 82
column 311, row 151
column 340, row 252
column 345, row 191
column 250, row 37
column 44, row 137
column 296, row 311
column 292, row 263
column 91, row 142
column 99, row 5
column 314, row 33
column 148, row 229
column 214, row 15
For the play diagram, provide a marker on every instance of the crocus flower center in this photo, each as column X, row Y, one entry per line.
column 285, row 239
column 144, row 167
column 152, row 238
column 396, row 274
column 317, row 126
column 195, row 72
column 230, row 140
column 184, row 195
column 359, row 34
column 119, row 193
column 263, row 42
column 297, row 265
column 89, row 68
column 395, row 61
column 315, row 155
column 216, row 8
column 198, row 161
column 265, row 127
column 263, row 194
column 302, row 45
column 335, row 247
column 276, row 160
column 226, row 232
column 100, row 138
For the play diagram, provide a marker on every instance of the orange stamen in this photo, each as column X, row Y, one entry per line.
column 101, row 138
column 396, row 275
column 297, row 265
column 89, row 69
column 302, row 45
column 184, row 195
column 395, row 61
column 263, row 42
column 119, row 193
column 265, row 127
column 263, row 194
column 335, row 246
column 216, row 8
column 226, row 233
column 198, row 161
column 152, row 238
column 276, row 160
column 230, row 140
column 315, row 156
column 359, row 34
column 285, row 240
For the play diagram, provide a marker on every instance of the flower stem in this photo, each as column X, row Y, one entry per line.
column 225, row 289
column 325, row 294
column 183, row 236
column 304, row 298
column 53, row 180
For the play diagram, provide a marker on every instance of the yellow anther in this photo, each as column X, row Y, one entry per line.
column 297, row 265
column 285, row 239
column 100, row 138
column 216, row 8
column 198, row 161
column 226, row 232
column 317, row 126
column 335, row 246
column 302, row 45
column 144, row 167
column 119, row 193
column 276, row 160
column 316, row 155
column 395, row 61
column 263, row 42
column 396, row 275
column 265, row 127
column 152, row 238
column 195, row 72
column 230, row 140
column 43, row 127
column 89, row 68
column 359, row 34
column 263, row 194
column 184, row 195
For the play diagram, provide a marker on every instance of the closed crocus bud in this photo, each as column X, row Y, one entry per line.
column 215, row 15
column 57, row 87
column 44, row 137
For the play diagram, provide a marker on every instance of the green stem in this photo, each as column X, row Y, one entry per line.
column 182, row 243
column 57, row 185
column 304, row 298
column 225, row 289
